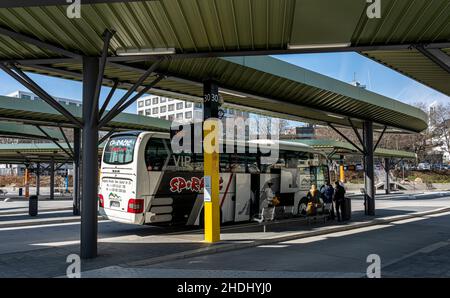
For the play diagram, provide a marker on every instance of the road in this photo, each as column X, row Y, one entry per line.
column 415, row 247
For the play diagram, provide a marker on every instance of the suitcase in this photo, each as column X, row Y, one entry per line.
column 347, row 209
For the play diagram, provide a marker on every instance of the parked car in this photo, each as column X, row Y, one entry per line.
column 423, row 166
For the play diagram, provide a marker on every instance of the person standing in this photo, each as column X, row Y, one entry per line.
column 328, row 193
column 339, row 197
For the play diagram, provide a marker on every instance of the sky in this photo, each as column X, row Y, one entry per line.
column 341, row 66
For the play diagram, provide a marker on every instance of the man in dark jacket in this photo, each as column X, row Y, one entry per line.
column 338, row 198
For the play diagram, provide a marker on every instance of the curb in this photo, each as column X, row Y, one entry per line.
column 43, row 222
column 406, row 196
column 217, row 248
column 43, row 210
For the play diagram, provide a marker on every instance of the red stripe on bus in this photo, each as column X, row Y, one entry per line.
column 226, row 190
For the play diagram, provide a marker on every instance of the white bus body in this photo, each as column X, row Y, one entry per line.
column 143, row 182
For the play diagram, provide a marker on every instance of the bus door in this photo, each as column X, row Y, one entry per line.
column 289, row 186
column 255, row 189
column 242, row 197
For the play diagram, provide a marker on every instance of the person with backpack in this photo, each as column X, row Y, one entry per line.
column 339, row 199
column 327, row 195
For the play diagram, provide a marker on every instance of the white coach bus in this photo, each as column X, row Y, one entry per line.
column 143, row 182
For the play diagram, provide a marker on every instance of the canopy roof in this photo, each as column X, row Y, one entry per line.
column 32, row 152
column 42, row 152
column 344, row 148
column 203, row 28
column 39, row 112
column 41, row 38
column 13, row 130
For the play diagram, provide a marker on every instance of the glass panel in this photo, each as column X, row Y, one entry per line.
column 155, row 154
column 119, row 150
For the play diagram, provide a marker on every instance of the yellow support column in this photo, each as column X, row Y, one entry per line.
column 341, row 169
column 211, row 161
column 341, row 173
column 27, row 183
column 211, row 182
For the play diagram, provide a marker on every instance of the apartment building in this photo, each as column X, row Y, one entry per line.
column 174, row 109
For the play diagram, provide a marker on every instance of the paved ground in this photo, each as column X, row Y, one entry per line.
column 17, row 206
column 39, row 251
column 410, row 248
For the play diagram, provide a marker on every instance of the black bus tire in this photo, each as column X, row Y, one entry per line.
column 302, row 205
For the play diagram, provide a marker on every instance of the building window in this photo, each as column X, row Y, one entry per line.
column 148, row 112
column 140, row 103
column 163, row 99
column 179, row 106
column 198, row 105
column 155, row 100
column 155, row 111
column 171, row 107
column 170, row 99
column 163, row 117
column 162, row 109
column 148, row 102
column 24, row 96
column 180, row 116
column 188, row 104
column 171, row 117
column 188, row 115
column 141, row 113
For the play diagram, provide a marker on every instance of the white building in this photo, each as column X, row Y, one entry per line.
column 174, row 109
column 31, row 96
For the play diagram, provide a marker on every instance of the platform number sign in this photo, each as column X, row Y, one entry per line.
column 211, row 97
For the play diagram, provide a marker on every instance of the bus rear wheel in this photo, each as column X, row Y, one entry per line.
column 302, row 206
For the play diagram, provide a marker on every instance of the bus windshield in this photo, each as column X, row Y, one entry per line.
column 119, row 150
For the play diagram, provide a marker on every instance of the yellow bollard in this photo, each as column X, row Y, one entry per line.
column 211, row 181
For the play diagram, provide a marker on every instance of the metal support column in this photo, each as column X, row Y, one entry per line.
column 38, row 178
column 211, row 160
column 52, row 178
column 387, row 167
column 369, row 194
column 76, row 171
column 90, row 160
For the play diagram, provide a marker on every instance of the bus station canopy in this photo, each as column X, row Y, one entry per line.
column 32, row 152
column 335, row 148
column 42, row 152
column 14, row 130
column 195, row 36
column 38, row 112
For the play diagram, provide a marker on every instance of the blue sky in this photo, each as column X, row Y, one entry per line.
column 341, row 66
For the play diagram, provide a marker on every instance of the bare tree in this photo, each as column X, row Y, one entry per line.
column 440, row 126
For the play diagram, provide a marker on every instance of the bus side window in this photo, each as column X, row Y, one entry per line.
column 252, row 164
column 238, row 163
column 224, row 162
column 155, row 154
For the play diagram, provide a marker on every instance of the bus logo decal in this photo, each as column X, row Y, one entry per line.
column 178, row 184
column 194, row 184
